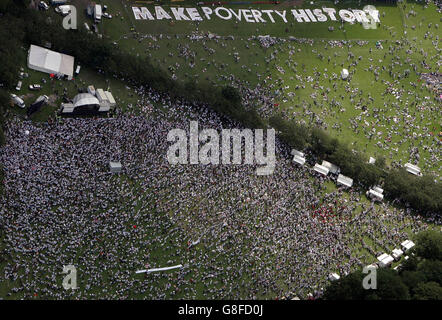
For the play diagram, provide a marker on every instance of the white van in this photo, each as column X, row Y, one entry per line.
column 18, row 87
column 18, row 101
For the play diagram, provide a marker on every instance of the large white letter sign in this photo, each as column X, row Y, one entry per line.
column 257, row 15
column 319, row 15
column 161, row 13
column 269, row 13
column 247, row 15
column 300, row 16
column 360, row 16
column 229, row 14
column 207, row 12
column 178, row 13
column 194, row 14
column 347, row 15
column 331, row 13
column 282, row 15
column 142, row 14
column 310, row 15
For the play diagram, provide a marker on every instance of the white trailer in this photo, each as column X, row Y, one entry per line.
column 97, row 13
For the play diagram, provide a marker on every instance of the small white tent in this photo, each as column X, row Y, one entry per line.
column 346, row 181
column 115, row 166
column 411, row 168
column 333, row 277
column 320, row 169
column 344, row 74
column 299, row 160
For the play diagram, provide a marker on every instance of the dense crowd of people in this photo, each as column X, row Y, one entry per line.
column 237, row 234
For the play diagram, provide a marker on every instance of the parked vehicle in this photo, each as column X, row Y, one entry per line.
column 58, row 2
column 34, row 87
column 18, row 101
column 97, row 13
column 18, row 87
column 43, row 5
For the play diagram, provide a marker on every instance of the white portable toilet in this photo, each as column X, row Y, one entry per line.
column 115, row 166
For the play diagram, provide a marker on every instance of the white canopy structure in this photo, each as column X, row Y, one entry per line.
column 385, row 260
column 411, row 168
column 407, row 245
column 110, row 98
column 371, row 160
column 63, row 10
column 297, row 153
column 48, row 61
column 331, row 167
column 377, row 189
column 344, row 74
column 84, row 99
column 375, row 195
column 67, row 108
column 320, row 169
column 115, row 166
column 299, row 160
column 333, row 277
column 397, row 253
column 346, row 181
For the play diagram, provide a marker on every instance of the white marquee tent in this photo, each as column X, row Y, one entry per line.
column 344, row 180
column 344, row 74
column 45, row 60
column 321, row 169
column 331, row 167
column 411, row 168
column 298, row 159
column 407, row 245
column 397, row 253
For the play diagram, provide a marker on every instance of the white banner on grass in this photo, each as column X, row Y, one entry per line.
column 159, row 269
column 368, row 14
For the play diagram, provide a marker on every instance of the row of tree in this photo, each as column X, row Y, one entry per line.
column 420, row 278
column 421, row 193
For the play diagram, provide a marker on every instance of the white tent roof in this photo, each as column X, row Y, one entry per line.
column 407, row 245
column 99, row 93
column 115, row 164
column 373, row 193
column 67, row 108
column 110, row 98
column 320, row 169
column 82, row 99
column 333, row 276
column 387, row 260
column 411, row 168
column 330, row 166
column 299, row 160
column 396, row 253
column 344, row 73
column 297, row 153
column 377, row 189
column 45, row 60
column 371, row 160
column 382, row 256
column 346, row 181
